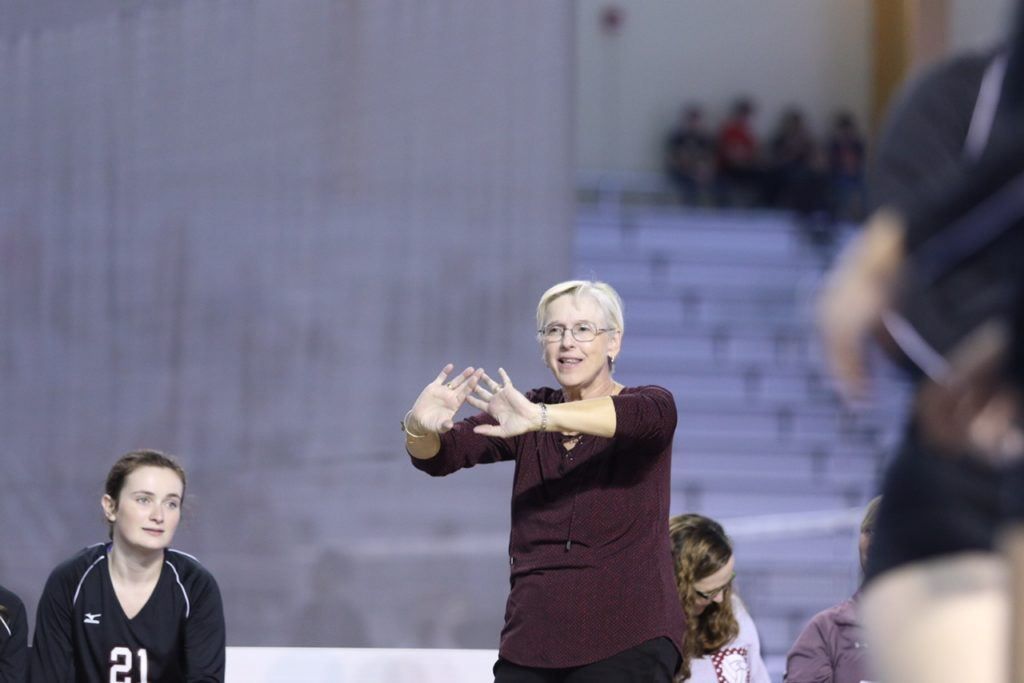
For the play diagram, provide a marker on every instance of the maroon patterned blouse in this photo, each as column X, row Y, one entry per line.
column 591, row 569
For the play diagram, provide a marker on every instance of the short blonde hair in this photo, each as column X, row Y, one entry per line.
column 602, row 292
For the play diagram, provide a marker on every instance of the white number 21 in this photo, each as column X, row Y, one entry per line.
column 121, row 658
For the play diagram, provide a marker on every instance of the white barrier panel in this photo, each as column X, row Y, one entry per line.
column 357, row 665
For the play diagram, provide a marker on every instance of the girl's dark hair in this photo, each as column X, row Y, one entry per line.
column 130, row 462
column 699, row 549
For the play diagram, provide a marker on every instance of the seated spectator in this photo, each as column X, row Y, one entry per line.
column 792, row 153
column 846, row 167
column 798, row 178
column 792, row 145
column 737, row 154
column 689, row 157
column 721, row 642
column 831, row 648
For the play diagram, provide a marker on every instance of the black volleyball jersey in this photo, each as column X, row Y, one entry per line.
column 83, row 636
column 13, row 638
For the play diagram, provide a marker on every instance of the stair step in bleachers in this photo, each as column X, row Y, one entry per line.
column 742, row 447
column 712, row 271
column 719, row 503
column 655, row 259
column 801, row 469
column 742, row 387
column 695, row 304
column 704, row 343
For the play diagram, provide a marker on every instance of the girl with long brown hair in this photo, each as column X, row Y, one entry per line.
column 721, row 643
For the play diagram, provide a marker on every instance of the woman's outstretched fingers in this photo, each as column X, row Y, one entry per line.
column 457, row 383
column 504, row 377
column 476, row 402
column 484, row 394
column 487, row 430
column 467, row 382
column 445, row 371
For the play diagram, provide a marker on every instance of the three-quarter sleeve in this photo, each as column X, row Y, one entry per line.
column 646, row 416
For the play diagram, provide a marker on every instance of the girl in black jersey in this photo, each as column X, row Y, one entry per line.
column 13, row 638
column 132, row 610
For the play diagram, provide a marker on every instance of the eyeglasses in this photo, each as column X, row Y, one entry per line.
column 709, row 596
column 581, row 332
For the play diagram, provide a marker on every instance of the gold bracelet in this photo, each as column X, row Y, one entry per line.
column 543, row 418
column 406, row 429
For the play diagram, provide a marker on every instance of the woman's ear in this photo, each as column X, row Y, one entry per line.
column 614, row 347
column 109, row 508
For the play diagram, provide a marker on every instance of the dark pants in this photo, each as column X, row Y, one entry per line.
column 654, row 661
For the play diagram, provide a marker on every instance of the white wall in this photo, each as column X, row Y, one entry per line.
column 817, row 54
column 248, row 232
column 630, row 87
column 975, row 24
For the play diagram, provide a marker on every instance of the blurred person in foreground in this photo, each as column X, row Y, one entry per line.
column 592, row 595
column 831, row 648
column 721, row 642
column 934, row 271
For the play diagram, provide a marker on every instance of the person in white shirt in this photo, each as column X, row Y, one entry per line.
column 721, row 643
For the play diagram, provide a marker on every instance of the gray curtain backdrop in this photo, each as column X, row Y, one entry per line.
column 248, row 232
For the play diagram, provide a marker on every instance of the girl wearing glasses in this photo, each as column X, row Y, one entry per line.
column 592, row 590
column 721, row 643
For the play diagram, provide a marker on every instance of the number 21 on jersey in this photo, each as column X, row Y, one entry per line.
column 121, row 661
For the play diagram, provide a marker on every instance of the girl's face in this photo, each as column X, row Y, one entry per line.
column 711, row 589
column 148, row 508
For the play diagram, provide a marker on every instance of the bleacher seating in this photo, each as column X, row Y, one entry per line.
column 719, row 309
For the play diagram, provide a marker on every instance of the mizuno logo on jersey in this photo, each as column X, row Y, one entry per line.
column 91, row 618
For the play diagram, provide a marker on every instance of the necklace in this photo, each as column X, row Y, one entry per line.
column 570, row 441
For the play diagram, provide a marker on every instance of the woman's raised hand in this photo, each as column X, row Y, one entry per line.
column 506, row 404
column 440, row 400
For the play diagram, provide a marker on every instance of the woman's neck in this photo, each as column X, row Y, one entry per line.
column 604, row 386
column 134, row 566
